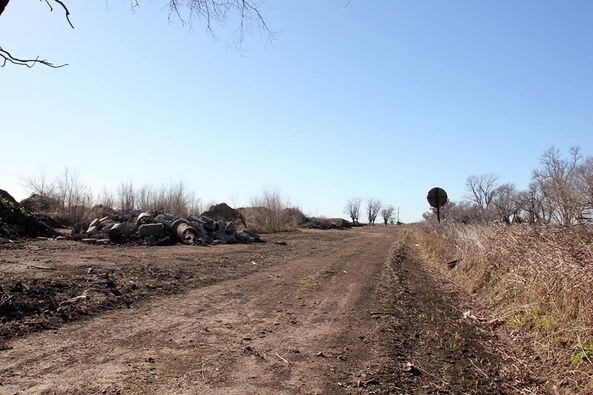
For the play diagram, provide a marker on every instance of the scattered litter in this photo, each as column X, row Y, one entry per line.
column 279, row 356
column 468, row 314
column 410, row 368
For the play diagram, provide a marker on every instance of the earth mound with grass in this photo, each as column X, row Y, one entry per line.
column 16, row 221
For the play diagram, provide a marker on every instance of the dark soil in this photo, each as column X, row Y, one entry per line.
column 432, row 349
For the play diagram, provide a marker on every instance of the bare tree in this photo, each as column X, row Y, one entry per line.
column 585, row 187
column 174, row 198
column 387, row 213
column 481, row 190
column 212, row 12
column 352, row 209
column 533, row 205
column 38, row 184
column 74, row 196
column 560, row 193
column 106, row 199
column 126, row 197
column 505, row 202
column 373, row 208
column 557, row 183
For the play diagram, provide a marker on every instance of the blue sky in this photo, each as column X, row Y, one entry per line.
column 382, row 98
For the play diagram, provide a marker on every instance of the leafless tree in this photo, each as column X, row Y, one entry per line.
column 505, row 202
column 38, row 184
column 174, row 198
column 560, row 193
column 212, row 12
column 481, row 190
column 126, row 197
column 533, row 207
column 73, row 195
column 373, row 208
column 557, row 183
column 387, row 213
column 352, row 209
column 106, row 199
column 70, row 195
column 585, row 187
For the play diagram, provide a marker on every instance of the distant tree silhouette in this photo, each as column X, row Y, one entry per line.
column 387, row 213
column 352, row 208
column 373, row 208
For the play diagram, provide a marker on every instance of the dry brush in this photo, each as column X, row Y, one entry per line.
column 535, row 281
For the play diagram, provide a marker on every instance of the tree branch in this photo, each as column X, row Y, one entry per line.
column 217, row 11
column 7, row 57
column 3, row 4
column 213, row 11
column 66, row 11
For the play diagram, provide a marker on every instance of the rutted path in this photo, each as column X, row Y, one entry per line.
column 346, row 318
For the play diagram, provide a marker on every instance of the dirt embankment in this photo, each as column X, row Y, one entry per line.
column 330, row 312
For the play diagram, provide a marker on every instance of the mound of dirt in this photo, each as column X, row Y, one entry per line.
column 223, row 211
column 326, row 223
column 17, row 221
column 40, row 204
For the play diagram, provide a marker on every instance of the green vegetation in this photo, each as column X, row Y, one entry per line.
column 585, row 353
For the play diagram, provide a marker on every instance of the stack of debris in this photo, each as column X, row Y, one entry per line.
column 326, row 223
column 164, row 229
column 16, row 221
column 225, row 212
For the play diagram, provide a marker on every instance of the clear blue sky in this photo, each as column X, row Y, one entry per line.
column 384, row 98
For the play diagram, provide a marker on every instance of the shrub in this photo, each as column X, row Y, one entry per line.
column 270, row 213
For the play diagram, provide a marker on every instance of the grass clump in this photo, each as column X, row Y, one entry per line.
column 585, row 354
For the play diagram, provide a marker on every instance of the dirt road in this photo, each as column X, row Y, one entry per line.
column 330, row 312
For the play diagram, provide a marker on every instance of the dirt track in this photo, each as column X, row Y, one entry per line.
column 331, row 312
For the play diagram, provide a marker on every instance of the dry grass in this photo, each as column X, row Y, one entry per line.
column 537, row 281
column 271, row 213
column 265, row 220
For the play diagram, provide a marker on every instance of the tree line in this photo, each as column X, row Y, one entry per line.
column 373, row 207
column 560, row 193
